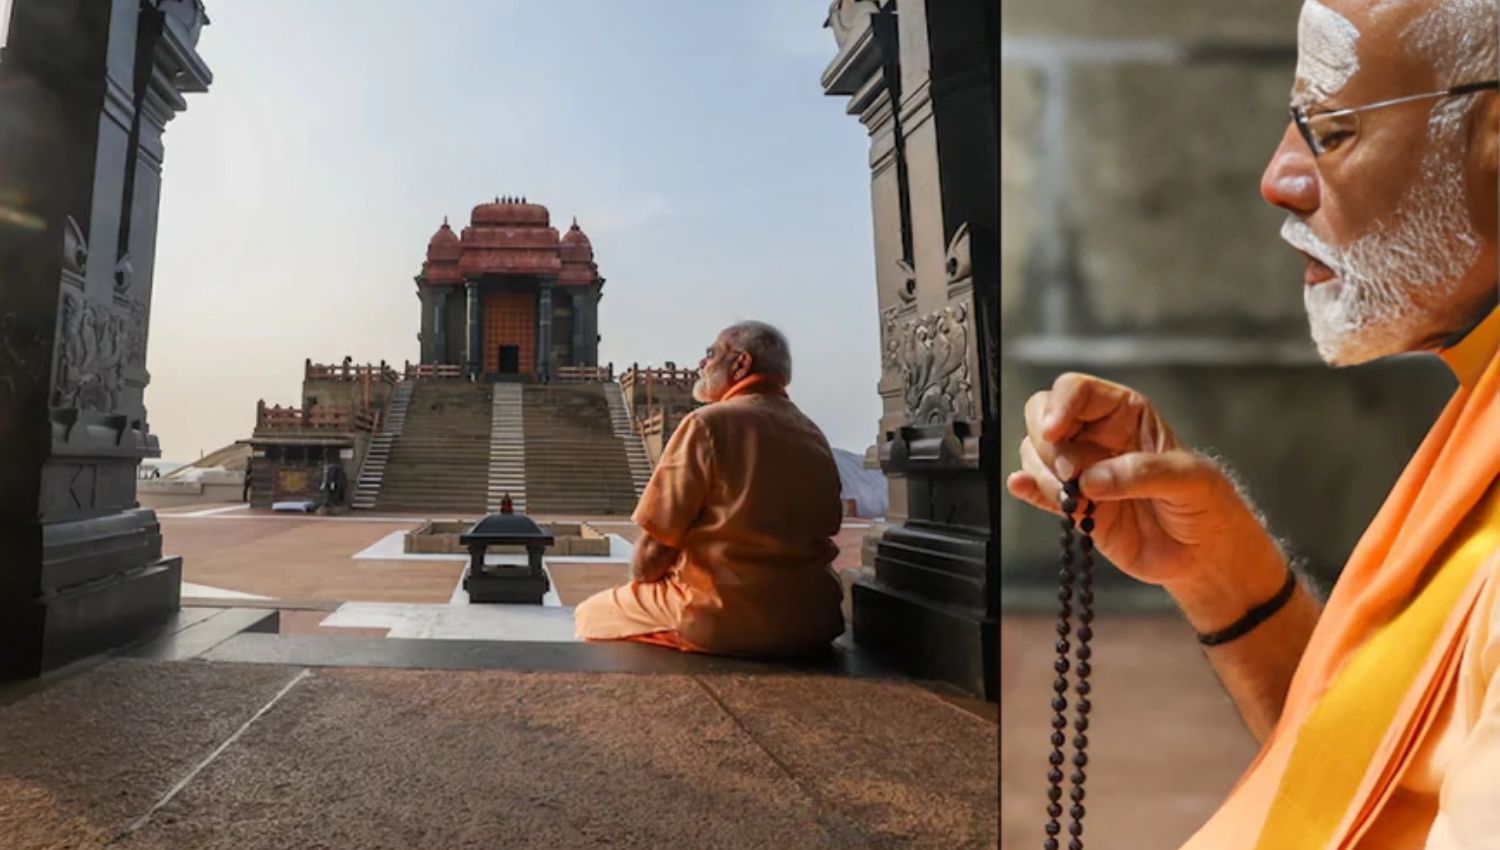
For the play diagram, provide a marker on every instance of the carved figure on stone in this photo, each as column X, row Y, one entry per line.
column 124, row 274
column 75, row 247
column 92, row 350
column 929, row 356
column 959, row 262
column 847, row 18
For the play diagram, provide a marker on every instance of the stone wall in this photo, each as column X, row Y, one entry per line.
column 1135, row 246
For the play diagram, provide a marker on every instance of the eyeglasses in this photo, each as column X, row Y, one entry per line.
column 1325, row 131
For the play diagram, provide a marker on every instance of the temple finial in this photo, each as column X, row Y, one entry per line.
column 575, row 222
column 445, row 221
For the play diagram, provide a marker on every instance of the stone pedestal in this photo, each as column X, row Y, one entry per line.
column 921, row 77
column 87, row 89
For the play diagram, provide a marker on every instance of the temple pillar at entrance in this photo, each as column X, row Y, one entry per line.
column 88, row 89
column 474, row 354
column 439, row 328
column 580, row 354
column 544, row 331
column 921, row 77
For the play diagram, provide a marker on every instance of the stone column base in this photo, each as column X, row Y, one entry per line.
column 929, row 640
column 44, row 633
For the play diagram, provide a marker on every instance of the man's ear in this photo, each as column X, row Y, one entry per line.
column 1487, row 135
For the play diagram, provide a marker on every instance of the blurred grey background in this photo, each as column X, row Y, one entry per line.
column 1136, row 246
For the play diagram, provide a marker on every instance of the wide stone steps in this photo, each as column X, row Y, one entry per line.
column 574, row 461
column 441, row 461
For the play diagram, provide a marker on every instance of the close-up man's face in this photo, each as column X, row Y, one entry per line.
column 1395, row 212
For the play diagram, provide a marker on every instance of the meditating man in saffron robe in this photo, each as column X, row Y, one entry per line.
column 738, row 520
column 1378, row 711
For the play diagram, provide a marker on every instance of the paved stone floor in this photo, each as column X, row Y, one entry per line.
column 1165, row 742
column 199, row 754
column 310, row 558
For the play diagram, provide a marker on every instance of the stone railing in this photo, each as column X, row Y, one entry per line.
column 584, row 374
column 670, row 376
column 652, row 427
column 349, row 371
column 276, row 418
column 429, row 371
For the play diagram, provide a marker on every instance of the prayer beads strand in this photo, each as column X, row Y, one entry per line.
column 1066, row 576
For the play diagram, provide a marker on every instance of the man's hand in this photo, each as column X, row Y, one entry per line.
column 653, row 560
column 1171, row 517
column 1165, row 515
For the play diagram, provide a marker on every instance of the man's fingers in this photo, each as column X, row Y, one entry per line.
column 1024, row 487
column 1174, row 476
column 1076, row 400
column 1049, row 487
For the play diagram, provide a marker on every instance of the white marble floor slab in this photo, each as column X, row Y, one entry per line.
column 203, row 591
column 458, row 622
column 392, row 547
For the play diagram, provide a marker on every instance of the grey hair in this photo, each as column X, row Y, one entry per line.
column 1460, row 38
column 768, row 347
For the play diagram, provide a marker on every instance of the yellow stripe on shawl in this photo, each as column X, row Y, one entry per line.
column 1335, row 745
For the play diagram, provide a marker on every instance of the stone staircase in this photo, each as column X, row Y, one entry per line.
column 635, row 448
column 442, row 461
column 372, row 471
column 575, row 464
column 507, row 448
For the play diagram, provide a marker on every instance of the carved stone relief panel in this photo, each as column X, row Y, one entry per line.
column 928, row 356
column 95, row 344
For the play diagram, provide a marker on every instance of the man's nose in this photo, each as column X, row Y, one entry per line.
column 1291, row 177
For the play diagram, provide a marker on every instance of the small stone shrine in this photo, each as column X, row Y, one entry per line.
column 504, row 582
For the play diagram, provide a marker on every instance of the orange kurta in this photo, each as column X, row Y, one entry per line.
column 748, row 490
column 1405, row 639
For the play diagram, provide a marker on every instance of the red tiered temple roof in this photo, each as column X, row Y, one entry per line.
column 509, row 237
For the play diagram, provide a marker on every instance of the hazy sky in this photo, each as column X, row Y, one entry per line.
column 691, row 139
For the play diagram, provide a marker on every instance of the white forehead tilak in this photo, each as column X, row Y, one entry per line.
column 1327, row 54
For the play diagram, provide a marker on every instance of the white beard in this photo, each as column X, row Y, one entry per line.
column 1367, row 310
column 709, row 386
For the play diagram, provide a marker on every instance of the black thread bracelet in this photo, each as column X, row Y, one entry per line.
column 1255, row 616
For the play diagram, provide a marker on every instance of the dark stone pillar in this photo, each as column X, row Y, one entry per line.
column 474, row 351
column 87, row 88
column 544, row 330
column 426, row 333
column 591, row 325
column 931, row 604
column 580, row 353
column 439, row 327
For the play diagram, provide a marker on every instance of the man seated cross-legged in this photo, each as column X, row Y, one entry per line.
column 738, row 520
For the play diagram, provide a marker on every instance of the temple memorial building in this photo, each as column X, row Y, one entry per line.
column 507, row 299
